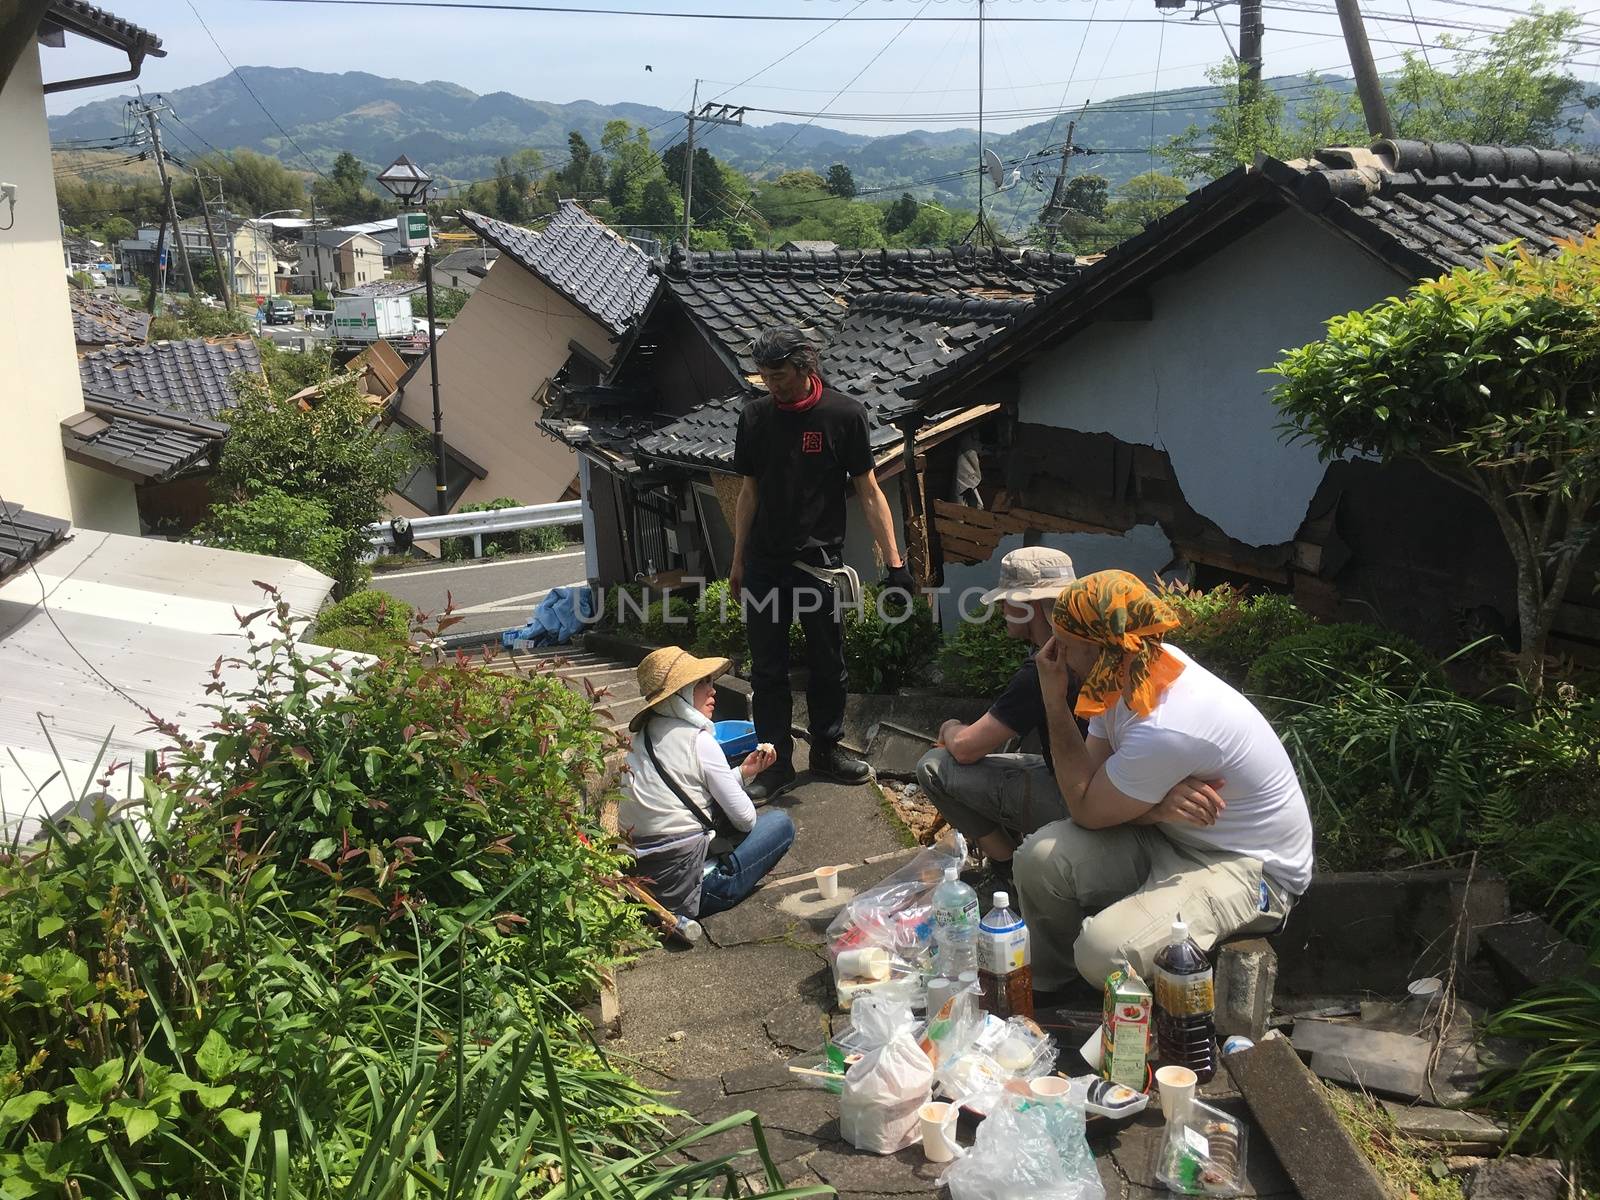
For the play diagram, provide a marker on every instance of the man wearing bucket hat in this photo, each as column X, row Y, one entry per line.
column 997, row 799
column 697, row 839
column 1181, row 799
column 796, row 450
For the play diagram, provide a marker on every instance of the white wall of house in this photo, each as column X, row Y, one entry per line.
column 512, row 335
column 38, row 355
column 1188, row 380
column 860, row 551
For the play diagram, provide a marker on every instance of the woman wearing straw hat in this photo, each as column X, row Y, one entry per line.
column 700, row 845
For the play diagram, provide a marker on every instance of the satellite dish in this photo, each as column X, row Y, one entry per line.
column 991, row 164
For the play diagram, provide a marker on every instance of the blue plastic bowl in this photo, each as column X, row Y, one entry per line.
column 737, row 738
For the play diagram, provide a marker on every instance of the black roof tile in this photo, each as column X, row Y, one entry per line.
column 598, row 270
column 138, row 439
column 103, row 26
column 102, row 321
column 193, row 377
column 26, row 536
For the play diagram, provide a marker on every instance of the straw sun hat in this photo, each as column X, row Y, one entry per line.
column 668, row 670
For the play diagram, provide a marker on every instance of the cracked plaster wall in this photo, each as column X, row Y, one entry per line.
column 1188, row 381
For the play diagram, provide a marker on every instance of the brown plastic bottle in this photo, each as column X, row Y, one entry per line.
column 1185, row 1016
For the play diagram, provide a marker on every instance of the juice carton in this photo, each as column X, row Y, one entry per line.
column 1126, row 1032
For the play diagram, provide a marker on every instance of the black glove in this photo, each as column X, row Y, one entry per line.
column 899, row 577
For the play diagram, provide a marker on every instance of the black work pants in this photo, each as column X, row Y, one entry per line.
column 774, row 596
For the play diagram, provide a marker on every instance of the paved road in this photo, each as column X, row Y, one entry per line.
column 494, row 594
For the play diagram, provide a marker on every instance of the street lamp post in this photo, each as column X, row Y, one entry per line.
column 409, row 184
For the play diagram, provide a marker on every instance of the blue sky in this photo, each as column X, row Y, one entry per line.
column 927, row 76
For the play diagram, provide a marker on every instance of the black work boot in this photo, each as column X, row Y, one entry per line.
column 832, row 762
column 771, row 783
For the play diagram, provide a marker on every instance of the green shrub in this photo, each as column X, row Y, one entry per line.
column 321, row 300
column 1226, row 631
column 333, row 918
column 1309, row 665
column 981, row 659
column 719, row 625
column 370, row 621
column 884, row 647
column 651, row 616
column 542, row 540
column 276, row 523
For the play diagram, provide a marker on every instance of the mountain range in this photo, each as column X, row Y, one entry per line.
column 458, row 134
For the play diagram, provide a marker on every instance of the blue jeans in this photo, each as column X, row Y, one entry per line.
column 738, row 872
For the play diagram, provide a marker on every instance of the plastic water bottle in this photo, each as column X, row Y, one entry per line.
column 1186, row 1027
column 1004, row 961
column 955, row 926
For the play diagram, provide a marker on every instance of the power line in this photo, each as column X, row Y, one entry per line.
column 789, row 53
column 800, row 18
column 246, row 85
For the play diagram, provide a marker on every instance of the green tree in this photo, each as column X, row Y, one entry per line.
column 331, row 455
column 840, row 181
column 1251, row 120
column 858, row 226
column 113, row 230
column 1144, row 198
column 935, row 225
column 1515, row 91
column 343, row 196
column 1087, row 195
column 273, row 522
column 252, row 183
column 899, row 214
column 584, row 173
column 1488, row 378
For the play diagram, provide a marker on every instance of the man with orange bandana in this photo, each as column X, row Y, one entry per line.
column 1181, row 799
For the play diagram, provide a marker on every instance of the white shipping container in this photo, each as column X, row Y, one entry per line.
column 368, row 318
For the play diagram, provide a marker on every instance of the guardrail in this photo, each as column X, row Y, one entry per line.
column 399, row 533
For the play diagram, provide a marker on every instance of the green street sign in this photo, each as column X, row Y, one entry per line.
column 414, row 229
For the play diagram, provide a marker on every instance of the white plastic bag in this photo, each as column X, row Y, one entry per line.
column 1028, row 1151
column 882, row 1095
column 878, row 1020
column 897, row 914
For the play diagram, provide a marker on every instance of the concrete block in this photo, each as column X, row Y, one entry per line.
column 1246, row 978
column 1375, row 931
column 1451, row 1127
column 1527, row 952
column 1289, row 1108
column 1392, row 1063
column 1517, row 1178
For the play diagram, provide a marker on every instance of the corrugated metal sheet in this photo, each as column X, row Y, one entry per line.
column 151, row 617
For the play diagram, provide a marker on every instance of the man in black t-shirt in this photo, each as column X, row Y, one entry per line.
column 796, row 449
column 995, row 799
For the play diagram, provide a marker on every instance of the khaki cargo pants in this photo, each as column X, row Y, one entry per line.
column 1014, row 792
column 1140, row 880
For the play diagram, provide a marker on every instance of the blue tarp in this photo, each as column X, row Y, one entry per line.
column 559, row 617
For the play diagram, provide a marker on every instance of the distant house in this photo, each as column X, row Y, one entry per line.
column 555, row 304
column 804, row 246
column 1144, row 432
column 337, row 259
column 137, row 254
column 656, row 435
column 391, row 244
column 151, row 416
column 255, row 261
column 464, row 269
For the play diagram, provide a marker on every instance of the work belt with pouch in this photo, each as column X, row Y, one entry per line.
column 842, row 579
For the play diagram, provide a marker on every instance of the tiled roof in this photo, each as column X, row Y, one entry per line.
column 137, row 439
column 383, row 287
column 886, row 341
column 598, row 270
column 102, row 321
column 1440, row 205
column 25, row 536
column 1424, row 207
column 191, row 377
column 472, row 260
column 734, row 294
column 103, row 26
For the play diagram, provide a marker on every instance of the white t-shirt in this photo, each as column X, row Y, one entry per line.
column 1203, row 727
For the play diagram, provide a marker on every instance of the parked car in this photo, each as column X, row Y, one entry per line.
column 280, row 311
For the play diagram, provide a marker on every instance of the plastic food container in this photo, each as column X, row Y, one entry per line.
column 737, row 738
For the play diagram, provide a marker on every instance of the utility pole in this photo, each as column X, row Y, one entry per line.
column 708, row 114
column 1373, row 103
column 1251, row 28
column 151, row 115
column 216, row 256
column 1056, row 207
column 156, row 271
column 982, row 228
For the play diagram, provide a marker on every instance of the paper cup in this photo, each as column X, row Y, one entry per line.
column 870, row 962
column 827, row 882
column 1177, row 1086
column 939, row 1131
column 1048, row 1087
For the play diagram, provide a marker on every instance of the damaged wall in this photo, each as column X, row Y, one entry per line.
column 1188, row 380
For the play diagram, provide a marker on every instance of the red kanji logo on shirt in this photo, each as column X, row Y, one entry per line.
column 811, row 441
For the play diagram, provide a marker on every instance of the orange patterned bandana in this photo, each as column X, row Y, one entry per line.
column 1128, row 620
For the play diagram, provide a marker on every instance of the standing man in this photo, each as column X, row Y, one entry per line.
column 796, row 448
column 994, row 799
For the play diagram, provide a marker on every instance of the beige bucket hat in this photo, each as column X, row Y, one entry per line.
column 1031, row 573
column 668, row 670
